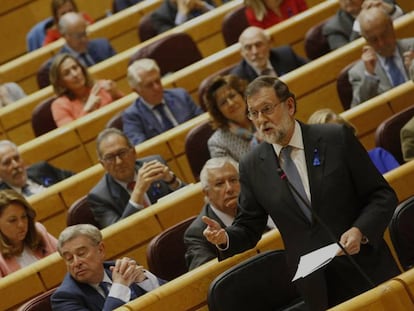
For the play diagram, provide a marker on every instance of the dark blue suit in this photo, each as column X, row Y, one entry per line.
column 73, row 295
column 110, row 201
column 98, row 50
column 140, row 123
column 282, row 58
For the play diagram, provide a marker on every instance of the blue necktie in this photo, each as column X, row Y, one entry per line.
column 292, row 174
column 166, row 122
column 397, row 76
column 86, row 60
column 104, row 287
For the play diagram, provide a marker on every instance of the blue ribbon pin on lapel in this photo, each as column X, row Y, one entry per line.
column 316, row 158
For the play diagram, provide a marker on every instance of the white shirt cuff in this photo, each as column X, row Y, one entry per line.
column 120, row 291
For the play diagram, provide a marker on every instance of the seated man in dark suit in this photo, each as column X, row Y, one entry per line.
column 156, row 110
column 219, row 179
column 129, row 185
column 27, row 181
column 260, row 59
column 175, row 12
column 92, row 283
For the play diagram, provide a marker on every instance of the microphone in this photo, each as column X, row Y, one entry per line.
column 315, row 215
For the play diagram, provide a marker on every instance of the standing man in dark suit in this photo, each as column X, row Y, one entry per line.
column 72, row 27
column 27, row 181
column 334, row 174
column 155, row 110
column 385, row 61
column 260, row 59
column 129, row 185
column 92, row 283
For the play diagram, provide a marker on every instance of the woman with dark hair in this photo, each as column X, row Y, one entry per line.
column 59, row 8
column 22, row 240
column 78, row 94
column 235, row 133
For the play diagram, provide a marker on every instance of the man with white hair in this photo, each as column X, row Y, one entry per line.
column 260, row 59
column 27, row 181
column 156, row 110
column 219, row 179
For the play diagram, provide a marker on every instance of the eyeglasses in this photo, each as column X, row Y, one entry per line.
column 111, row 158
column 266, row 110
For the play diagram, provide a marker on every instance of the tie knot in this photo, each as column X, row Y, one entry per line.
column 105, row 287
column 159, row 107
column 286, row 151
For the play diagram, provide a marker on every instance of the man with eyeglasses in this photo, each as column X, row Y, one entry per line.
column 26, row 180
column 129, row 185
column 319, row 186
column 260, row 59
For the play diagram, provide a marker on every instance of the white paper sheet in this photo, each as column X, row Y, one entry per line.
column 315, row 260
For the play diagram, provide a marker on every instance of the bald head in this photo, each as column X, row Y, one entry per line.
column 72, row 27
column 255, row 47
column 378, row 30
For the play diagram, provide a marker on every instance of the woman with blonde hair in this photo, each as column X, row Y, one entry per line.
column 78, row 94
column 266, row 13
column 383, row 160
column 22, row 240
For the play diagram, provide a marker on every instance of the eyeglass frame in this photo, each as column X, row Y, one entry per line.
column 267, row 110
column 111, row 158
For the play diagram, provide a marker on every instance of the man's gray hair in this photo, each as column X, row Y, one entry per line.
column 71, row 232
column 145, row 64
column 68, row 19
column 212, row 164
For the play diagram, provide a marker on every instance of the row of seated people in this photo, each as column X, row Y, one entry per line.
column 79, row 39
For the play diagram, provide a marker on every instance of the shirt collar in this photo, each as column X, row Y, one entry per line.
column 296, row 140
column 225, row 218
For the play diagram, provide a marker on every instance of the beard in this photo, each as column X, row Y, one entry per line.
column 278, row 134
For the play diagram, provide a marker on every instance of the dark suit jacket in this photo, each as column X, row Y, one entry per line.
column 72, row 295
column 99, row 49
column 199, row 250
column 139, row 122
column 110, row 201
column 338, row 29
column 346, row 191
column 282, row 58
column 44, row 174
column 163, row 18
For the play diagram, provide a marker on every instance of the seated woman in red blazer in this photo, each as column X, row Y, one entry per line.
column 266, row 13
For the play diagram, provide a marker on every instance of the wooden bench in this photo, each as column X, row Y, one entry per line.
column 17, row 17
column 15, row 120
column 390, row 295
column 369, row 115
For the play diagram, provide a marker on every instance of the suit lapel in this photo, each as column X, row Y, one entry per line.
column 149, row 119
column 315, row 150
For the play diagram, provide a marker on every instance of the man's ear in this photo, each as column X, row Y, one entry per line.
column 101, row 249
